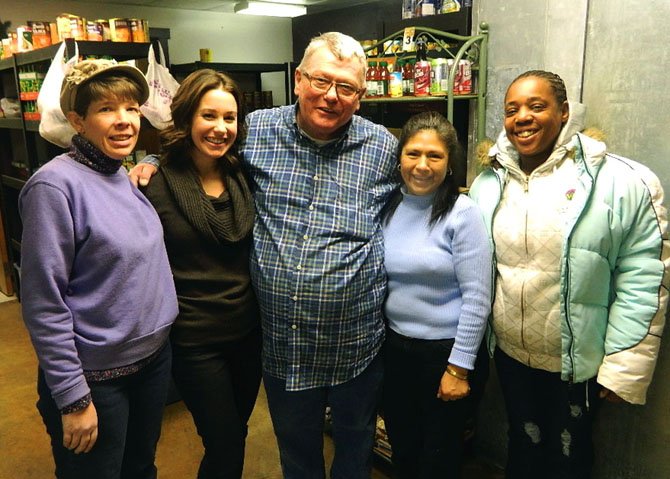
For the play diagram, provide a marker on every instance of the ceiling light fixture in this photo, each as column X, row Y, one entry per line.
column 270, row 9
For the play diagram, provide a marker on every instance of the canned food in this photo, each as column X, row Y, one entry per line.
column 94, row 31
column 205, row 55
column 104, row 27
column 422, row 78
column 439, row 76
column 25, row 38
column 41, row 33
column 395, row 84
column 70, row 26
column 119, row 30
column 138, row 34
column 464, row 77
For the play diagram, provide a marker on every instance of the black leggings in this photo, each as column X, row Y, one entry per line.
column 219, row 385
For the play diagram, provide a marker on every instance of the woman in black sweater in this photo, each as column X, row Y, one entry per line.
column 204, row 202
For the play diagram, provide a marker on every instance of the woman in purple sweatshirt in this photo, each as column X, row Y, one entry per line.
column 97, row 292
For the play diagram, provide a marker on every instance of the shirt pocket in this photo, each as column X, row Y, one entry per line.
column 354, row 213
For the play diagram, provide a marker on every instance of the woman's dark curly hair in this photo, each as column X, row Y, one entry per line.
column 176, row 140
column 447, row 192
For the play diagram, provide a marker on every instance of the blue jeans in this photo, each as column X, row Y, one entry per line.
column 550, row 422
column 130, row 411
column 219, row 384
column 298, row 420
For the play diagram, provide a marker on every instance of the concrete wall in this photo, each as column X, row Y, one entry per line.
column 615, row 59
column 232, row 38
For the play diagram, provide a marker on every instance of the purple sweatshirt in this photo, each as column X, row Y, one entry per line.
column 96, row 287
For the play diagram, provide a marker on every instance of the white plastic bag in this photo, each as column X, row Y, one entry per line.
column 162, row 87
column 54, row 127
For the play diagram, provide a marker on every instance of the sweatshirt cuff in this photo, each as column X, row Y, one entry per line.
column 77, row 405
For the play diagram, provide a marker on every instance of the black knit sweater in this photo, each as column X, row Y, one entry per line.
column 216, row 299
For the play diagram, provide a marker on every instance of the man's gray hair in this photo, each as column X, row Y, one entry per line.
column 342, row 46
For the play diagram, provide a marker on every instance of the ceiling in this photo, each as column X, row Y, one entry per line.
column 226, row 6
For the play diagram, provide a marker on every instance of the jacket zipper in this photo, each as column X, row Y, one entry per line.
column 566, row 256
column 522, row 301
column 494, row 265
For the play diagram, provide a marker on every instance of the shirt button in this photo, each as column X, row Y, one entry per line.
column 311, row 207
column 294, row 326
column 299, row 267
column 295, row 298
column 305, row 237
column 316, row 177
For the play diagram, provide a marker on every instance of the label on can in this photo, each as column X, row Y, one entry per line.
column 422, row 78
column 137, row 32
column 41, row 33
column 464, row 75
column 439, row 76
column 395, row 84
column 119, row 30
column 93, row 31
column 205, row 55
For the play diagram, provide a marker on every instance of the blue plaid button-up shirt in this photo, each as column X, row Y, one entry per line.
column 317, row 263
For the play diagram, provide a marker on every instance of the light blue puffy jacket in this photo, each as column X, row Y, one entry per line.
column 614, row 266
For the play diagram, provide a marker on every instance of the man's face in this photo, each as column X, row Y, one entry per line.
column 322, row 114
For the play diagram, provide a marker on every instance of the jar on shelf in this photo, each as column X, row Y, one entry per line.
column 371, row 82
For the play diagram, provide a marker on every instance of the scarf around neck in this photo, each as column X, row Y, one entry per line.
column 84, row 152
column 230, row 225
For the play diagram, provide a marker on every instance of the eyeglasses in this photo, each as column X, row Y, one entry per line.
column 343, row 90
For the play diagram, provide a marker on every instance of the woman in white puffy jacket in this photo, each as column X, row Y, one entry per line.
column 581, row 277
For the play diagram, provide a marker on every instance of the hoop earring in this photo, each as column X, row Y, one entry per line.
column 449, row 172
column 398, row 167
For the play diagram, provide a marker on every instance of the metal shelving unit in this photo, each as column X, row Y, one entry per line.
column 23, row 150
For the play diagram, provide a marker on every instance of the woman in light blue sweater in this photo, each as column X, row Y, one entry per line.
column 438, row 261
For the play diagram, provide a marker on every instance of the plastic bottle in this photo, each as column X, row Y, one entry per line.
column 408, row 78
column 408, row 9
column 418, row 7
column 421, row 49
column 421, row 70
column 371, row 80
column 384, row 78
column 396, row 80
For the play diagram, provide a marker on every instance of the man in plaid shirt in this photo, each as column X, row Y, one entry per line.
column 321, row 176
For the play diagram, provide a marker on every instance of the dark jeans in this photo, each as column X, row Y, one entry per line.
column 298, row 420
column 426, row 433
column 130, row 411
column 550, row 422
column 219, row 385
